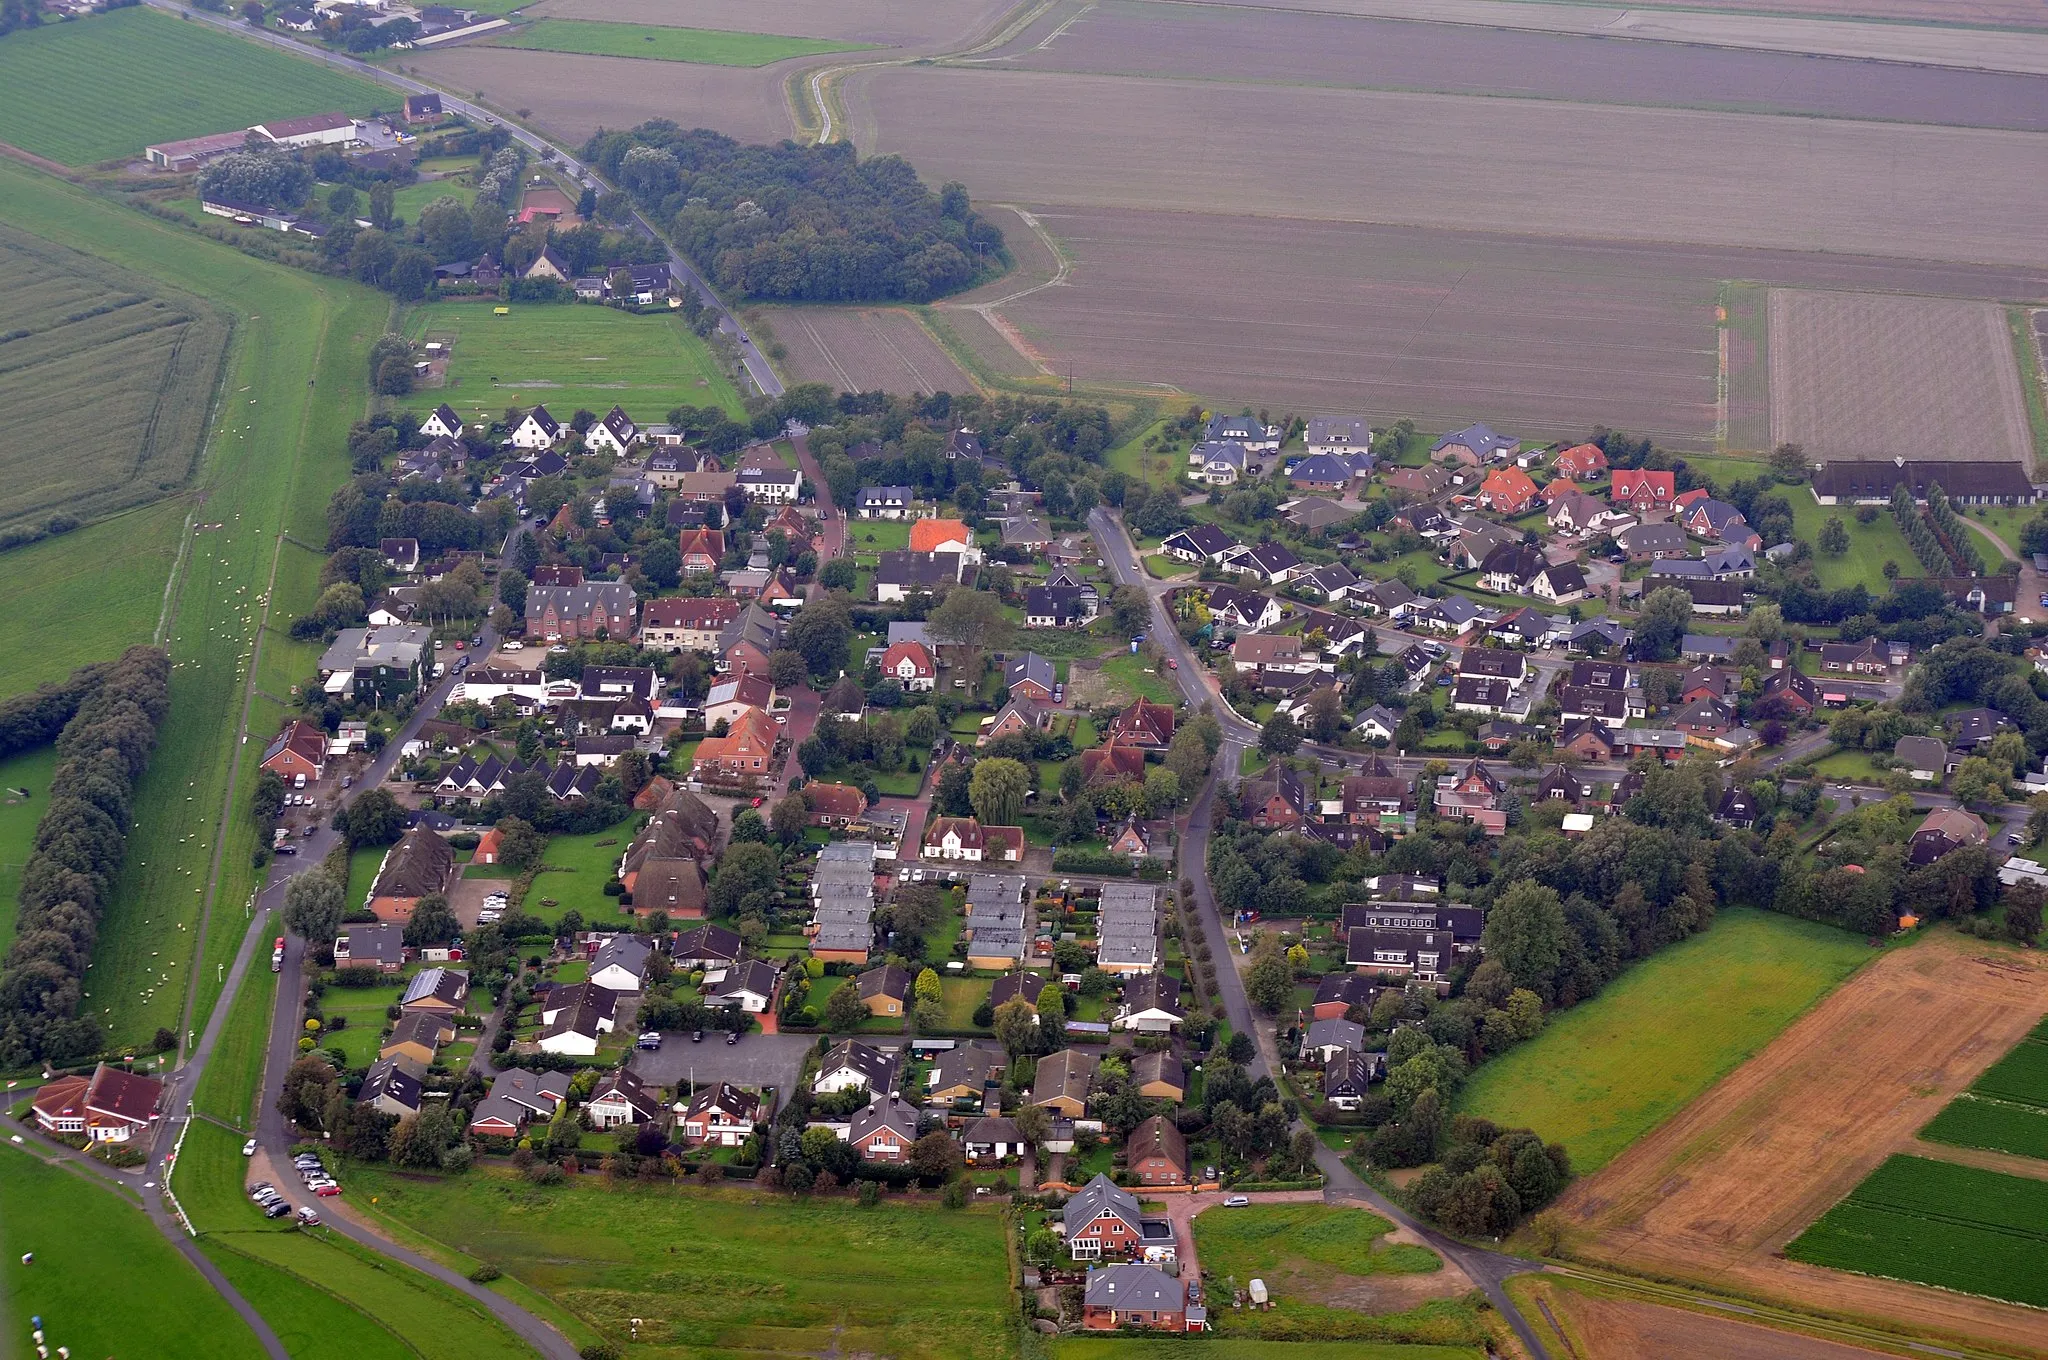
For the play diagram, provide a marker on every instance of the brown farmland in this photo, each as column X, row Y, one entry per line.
column 1293, row 47
column 917, row 25
column 1543, row 167
column 864, row 349
column 1605, row 1328
column 1441, row 326
column 1859, row 376
column 1714, row 1194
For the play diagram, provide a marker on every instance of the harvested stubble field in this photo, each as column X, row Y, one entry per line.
column 660, row 42
column 95, row 347
column 1603, row 1327
column 1856, row 375
column 1292, row 47
column 865, row 349
column 1714, row 1193
column 154, row 78
column 573, row 96
column 1543, row 167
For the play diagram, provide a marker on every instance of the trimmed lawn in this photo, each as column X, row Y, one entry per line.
column 963, row 995
column 155, row 78
column 312, row 1323
column 574, row 870
column 1131, row 673
column 166, row 1307
column 1296, row 1244
column 710, row 47
column 228, row 1090
column 931, row 1284
column 1870, row 545
column 1849, row 766
column 1608, row 1071
column 569, row 357
column 871, row 536
column 18, row 817
column 364, row 1008
column 362, row 872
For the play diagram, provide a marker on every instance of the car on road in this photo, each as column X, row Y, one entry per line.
column 732, row 1036
column 1172, row 664
column 460, row 644
column 758, row 800
column 249, row 1148
column 696, row 1036
column 2044, row 601
column 1237, row 1202
column 308, row 1217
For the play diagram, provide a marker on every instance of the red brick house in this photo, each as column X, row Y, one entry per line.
column 835, row 805
column 1473, row 795
column 1507, row 491
column 488, row 849
column 1642, row 490
column 297, row 755
column 1582, row 462
column 1135, row 1295
column 1112, row 764
column 1156, row 1153
column 1789, row 691
column 702, row 550
column 1147, row 726
column 1102, row 1219
column 110, row 1106
column 884, row 1131
column 743, row 757
column 555, row 613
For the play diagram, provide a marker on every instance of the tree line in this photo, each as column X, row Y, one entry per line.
column 79, row 846
column 802, row 223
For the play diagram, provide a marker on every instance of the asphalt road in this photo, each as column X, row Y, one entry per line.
column 758, row 368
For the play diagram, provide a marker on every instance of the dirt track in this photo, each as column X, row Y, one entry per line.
column 1715, row 1194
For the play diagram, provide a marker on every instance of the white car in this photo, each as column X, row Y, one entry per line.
column 249, row 1148
column 1237, row 1202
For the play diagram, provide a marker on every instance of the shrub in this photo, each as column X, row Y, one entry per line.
column 484, row 1274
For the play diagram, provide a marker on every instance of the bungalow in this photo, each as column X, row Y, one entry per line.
column 1137, row 1296
column 1649, row 542
column 575, row 1017
column 1870, row 657
column 834, row 806
column 965, row 838
column 1198, row 543
column 853, row 1065
column 1159, row 1075
column 1156, row 1153
column 1418, row 484
column 516, row 1098
column 417, row 1037
column 706, row 946
column 992, row 1138
column 1151, row 1004
column 110, row 1106
column 1031, row 677
column 944, row 536
column 1472, row 446
column 1323, row 472
column 747, row 986
column 1062, row 1081
column 371, row 946
column 974, row 1071
column 885, row 991
column 1382, row 597
column 621, row 1098
column 1337, row 993
column 1643, row 490
column 1789, row 692
column 722, row 1115
column 884, row 1130
column 391, row 1086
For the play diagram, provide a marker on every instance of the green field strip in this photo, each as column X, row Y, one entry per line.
column 312, row 1323
column 228, row 1090
column 1973, row 1121
column 165, row 1306
column 31, row 771
column 155, row 78
column 1938, row 1223
column 653, row 42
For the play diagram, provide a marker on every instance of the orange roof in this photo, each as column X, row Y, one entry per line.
column 836, row 800
column 1558, row 487
column 1113, row 762
column 710, row 542
column 487, row 846
column 752, row 736
column 1582, row 458
column 1507, row 486
column 929, row 535
column 914, row 652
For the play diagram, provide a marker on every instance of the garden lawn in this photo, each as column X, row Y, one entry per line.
column 1870, row 545
column 362, row 872
column 407, row 202
column 873, row 536
column 1611, row 1069
column 574, row 870
column 1954, row 1227
column 705, row 46
column 312, row 1323
column 1130, row 672
column 570, row 357
column 364, row 1008
column 165, row 1306
column 1849, row 766
column 154, row 78
column 30, row 770
column 932, row 1284
column 963, row 996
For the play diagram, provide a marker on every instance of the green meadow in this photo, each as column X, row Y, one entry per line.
column 29, row 771
column 1611, row 1069
column 704, row 46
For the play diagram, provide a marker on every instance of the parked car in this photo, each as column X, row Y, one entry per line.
column 696, row 1036
column 276, row 1209
column 732, row 1036
column 249, row 1148
column 1172, row 664
column 649, row 1041
column 328, row 1189
column 308, row 1217
column 287, row 849
column 1237, row 1202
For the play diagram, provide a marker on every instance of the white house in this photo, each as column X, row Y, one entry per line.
column 621, row 1098
column 614, row 434
column 573, row 1017
column 443, row 424
column 1336, row 435
column 538, row 431
column 770, row 483
column 620, row 964
column 749, row 986
column 884, row 502
column 1217, row 463
column 912, row 666
column 852, row 1064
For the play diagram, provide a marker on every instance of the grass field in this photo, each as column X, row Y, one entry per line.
column 155, row 79
column 2006, row 1110
column 30, row 770
column 704, row 46
column 1139, row 680
column 1275, row 1241
column 131, row 360
column 1954, row 1227
column 1609, row 1070
column 575, row 869
column 312, row 1323
column 85, row 595
column 228, row 1090
column 364, row 1008
column 1870, row 545
column 569, row 358
column 294, row 382
column 1241, row 1348
column 931, row 1283
column 166, row 1307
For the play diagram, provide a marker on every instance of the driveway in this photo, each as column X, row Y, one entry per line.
column 756, row 1060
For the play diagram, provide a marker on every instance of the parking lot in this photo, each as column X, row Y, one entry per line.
column 757, row 1060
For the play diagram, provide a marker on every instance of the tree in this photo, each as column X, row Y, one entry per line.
column 845, row 1011
column 1269, row 982
column 1189, row 758
column 997, row 790
column 974, row 620
column 1977, row 780
column 1788, row 463
column 1016, row 1027
column 838, row 574
column 789, row 818
column 1526, row 932
column 927, row 988
column 743, row 872
column 1666, row 614
column 935, row 1157
column 1052, row 1016
column 431, row 923
column 1130, row 609
column 1834, row 536
column 309, row 1085
column 820, row 633
column 519, row 845
column 1279, row 737
column 1525, row 1013
column 374, row 818
column 2023, row 912
column 313, row 906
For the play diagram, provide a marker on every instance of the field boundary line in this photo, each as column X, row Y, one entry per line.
column 821, row 82
column 1063, row 265
column 167, row 616
column 1979, row 1159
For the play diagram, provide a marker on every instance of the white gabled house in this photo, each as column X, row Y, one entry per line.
column 538, row 430
column 442, row 424
column 614, row 434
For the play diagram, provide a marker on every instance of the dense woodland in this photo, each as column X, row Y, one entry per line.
column 79, row 846
column 802, row 223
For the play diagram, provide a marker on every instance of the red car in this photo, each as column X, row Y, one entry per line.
column 1172, row 664
column 460, row 645
column 758, row 801
column 327, row 1190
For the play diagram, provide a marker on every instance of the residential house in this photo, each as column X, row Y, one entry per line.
column 1015, row 717
column 1062, row 1082
column 1325, row 472
column 1945, row 831
column 1152, row 1004
column 1145, row 725
column 1332, row 581
column 743, row 757
column 1424, row 954
column 1473, row 446
column 1136, row 1296
column 537, row 429
column 1582, row 463
column 722, row 1115
column 1574, row 512
column 944, row 536
column 673, row 887
column 1417, row 484
column 965, row 838
column 1869, row 657
column 702, row 550
column 420, row 865
column 1508, row 492
column 1031, row 677
column 1738, row 807
column 1719, row 521
column 1988, row 595
column 417, row 1037
column 298, row 754
column 1707, row 647
column 851, row 1065
column 1198, row 543
column 1159, row 1075
column 884, row 1129
column 621, row 1098
column 1649, row 542
column 371, row 946
column 901, row 574
column 1243, row 610
column 614, row 433
column 620, row 963
column 1217, row 463
column 517, row 1097
column 749, row 640
column 110, row 1106
column 1059, row 606
column 1348, row 1075
column 1520, row 569
column 442, row 424
column 1598, row 636
column 1337, row 993
column 1376, row 723
column 1474, row 794
column 1383, row 597
column 835, row 806
column 392, row 1086
column 1643, row 490
column 1338, row 435
column 574, row 1018
column 593, row 610
column 885, row 991
column 992, row 1138
column 1704, row 718
column 767, row 482
column 687, row 625
column 1273, row 563
column 1156, row 1154
column 1254, row 434
column 1102, row 1218
column 748, row 986
column 1278, row 798
column 973, row 1071
column 706, row 946
column 377, row 665
column 1788, row 692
